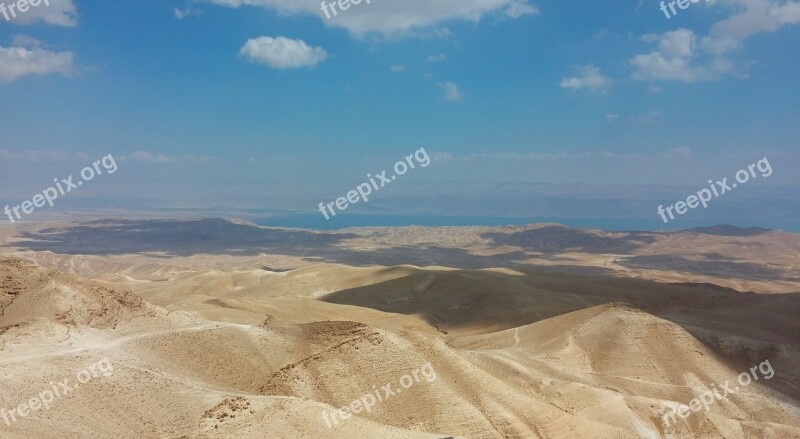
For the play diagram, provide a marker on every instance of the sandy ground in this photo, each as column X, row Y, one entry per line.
column 220, row 329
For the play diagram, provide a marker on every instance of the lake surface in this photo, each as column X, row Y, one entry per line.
column 342, row 221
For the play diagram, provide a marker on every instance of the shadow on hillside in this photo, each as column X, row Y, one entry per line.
column 175, row 238
column 558, row 239
column 169, row 238
column 743, row 329
column 729, row 230
column 714, row 265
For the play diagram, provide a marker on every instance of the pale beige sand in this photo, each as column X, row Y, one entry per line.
column 216, row 346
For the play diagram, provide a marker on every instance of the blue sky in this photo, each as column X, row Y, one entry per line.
column 208, row 102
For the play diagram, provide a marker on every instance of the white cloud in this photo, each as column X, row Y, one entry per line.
column 548, row 156
column 398, row 68
column 611, row 118
column 753, row 17
column 18, row 62
column 160, row 159
column 145, row 156
column 186, row 12
column 673, row 59
column 442, row 156
column 601, row 34
column 25, row 41
column 536, row 156
column 59, row 12
column 443, row 32
column 283, row 53
column 681, row 55
column 591, row 78
column 649, row 38
column 679, row 152
column 451, row 91
column 394, row 17
column 437, row 58
column 47, row 156
column 519, row 8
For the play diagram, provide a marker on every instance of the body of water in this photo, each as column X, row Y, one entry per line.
column 311, row 221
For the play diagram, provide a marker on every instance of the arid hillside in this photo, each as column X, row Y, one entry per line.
column 262, row 340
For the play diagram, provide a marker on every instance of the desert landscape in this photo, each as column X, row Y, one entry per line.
column 399, row 219
column 223, row 329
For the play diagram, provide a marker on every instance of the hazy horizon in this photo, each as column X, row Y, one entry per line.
column 268, row 107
